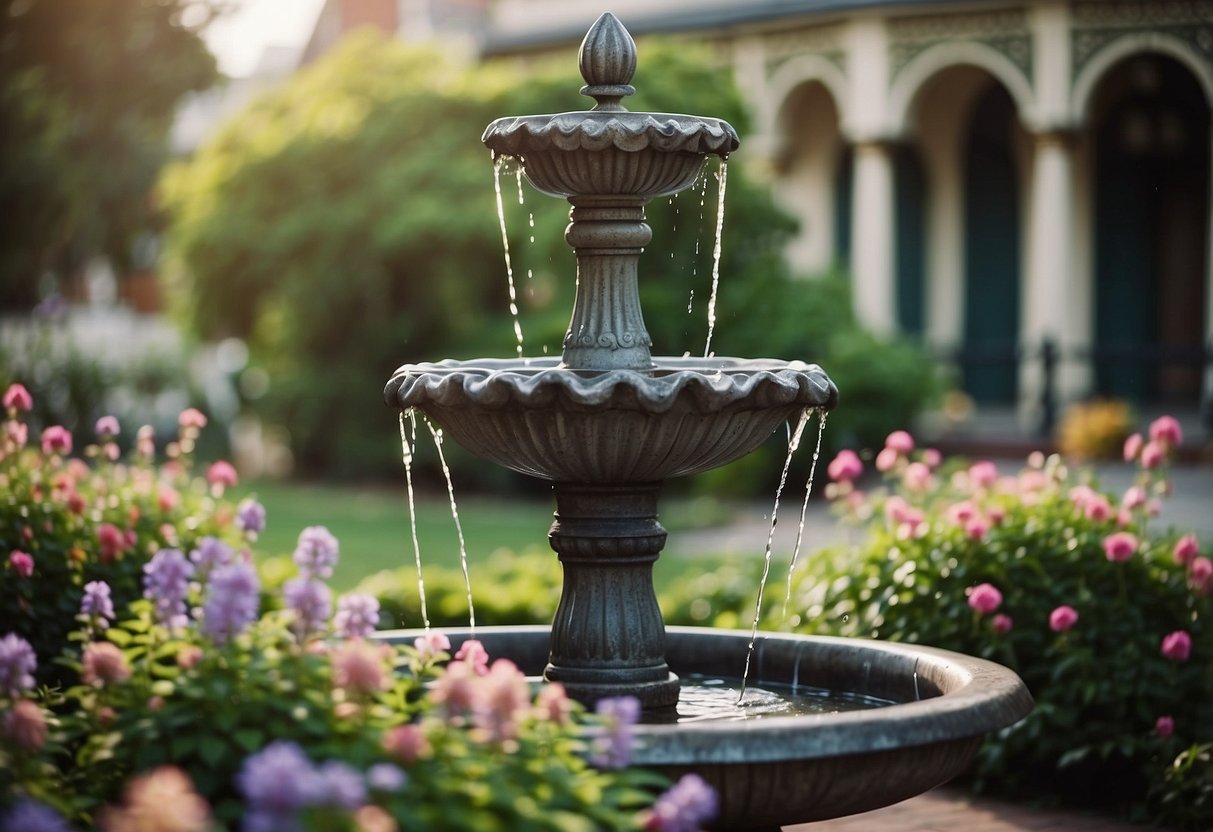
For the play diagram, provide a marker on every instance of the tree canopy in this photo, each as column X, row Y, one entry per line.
column 88, row 89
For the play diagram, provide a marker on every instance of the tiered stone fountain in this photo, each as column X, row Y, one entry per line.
column 607, row 423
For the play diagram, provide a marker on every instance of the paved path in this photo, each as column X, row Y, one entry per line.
column 950, row 810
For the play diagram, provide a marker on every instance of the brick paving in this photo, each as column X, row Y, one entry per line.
column 951, row 810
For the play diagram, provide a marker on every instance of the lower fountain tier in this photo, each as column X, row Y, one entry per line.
column 682, row 416
column 781, row 770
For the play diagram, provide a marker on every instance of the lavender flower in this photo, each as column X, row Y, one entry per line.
column 385, row 777
column 357, row 616
column 278, row 781
column 613, row 747
column 250, row 517
column 687, row 805
column 316, row 552
column 344, row 787
column 312, row 602
column 231, row 602
column 28, row 815
column 166, row 582
column 210, row 554
column 17, row 665
column 96, row 605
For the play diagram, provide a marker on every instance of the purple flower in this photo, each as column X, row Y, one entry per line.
column 385, row 777
column 232, row 600
column 343, row 785
column 211, row 553
column 17, row 665
column 278, row 781
column 689, row 804
column 250, row 516
column 96, row 605
column 357, row 616
column 166, row 580
column 312, row 602
column 28, row 815
column 613, row 747
column 316, row 552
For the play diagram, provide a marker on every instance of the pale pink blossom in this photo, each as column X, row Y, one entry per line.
column 1176, row 646
column 899, row 441
column 1002, row 624
column 504, row 698
column 1081, row 495
column 429, row 644
column 107, row 428
column 1200, row 575
column 917, row 477
column 1186, row 548
column 845, row 466
column 1063, row 618
column 931, row 457
column 983, row 474
column 17, row 398
column 221, row 474
column 962, row 512
column 473, row 654
column 1166, row 431
column 1153, row 507
column 553, row 704
column 104, row 664
column 192, row 418
column 985, row 598
column 163, row 800
column 895, row 509
column 56, row 440
column 887, row 459
column 1119, row 546
column 1164, row 726
column 1135, row 498
column 358, row 668
column 996, row 514
column 407, row 743
column 1153, row 455
column 24, row 725
column 1132, row 447
column 1098, row 508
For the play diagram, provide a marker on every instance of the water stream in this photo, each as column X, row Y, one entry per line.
column 463, row 549
column 406, row 453
column 804, row 508
column 793, row 444
column 722, row 176
column 499, row 164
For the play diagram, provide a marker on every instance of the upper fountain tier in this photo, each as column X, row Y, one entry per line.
column 609, row 150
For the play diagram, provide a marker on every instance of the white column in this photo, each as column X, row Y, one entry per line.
column 1206, row 393
column 1047, row 302
column 872, row 237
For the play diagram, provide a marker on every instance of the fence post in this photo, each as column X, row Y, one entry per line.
column 1049, row 355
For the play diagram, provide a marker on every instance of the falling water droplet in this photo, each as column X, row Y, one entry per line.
column 531, row 222
column 723, row 176
column 518, row 176
column 406, row 452
column 766, row 558
column 463, row 550
column 505, row 244
column 804, row 507
column 691, row 302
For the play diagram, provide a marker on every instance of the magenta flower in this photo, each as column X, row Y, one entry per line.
column 1063, row 618
column 976, row 529
column 686, row 807
column 21, row 563
column 1132, row 447
column 232, row 601
column 107, row 428
column 1002, row 624
column 1164, row 727
column 1186, row 548
column 221, row 474
column 1176, row 646
column 899, row 441
column 192, row 418
column 1120, row 546
column 985, row 598
column 613, row 747
column 316, row 552
column 1153, row 455
column 357, row 616
column 1166, row 431
column 1200, row 575
column 1098, row 508
column 963, row 513
column 17, row 665
column 17, row 398
column 56, row 440
column 845, row 467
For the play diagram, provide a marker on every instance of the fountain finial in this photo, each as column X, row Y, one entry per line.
column 607, row 61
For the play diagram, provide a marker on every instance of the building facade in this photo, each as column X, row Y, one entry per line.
column 1023, row 186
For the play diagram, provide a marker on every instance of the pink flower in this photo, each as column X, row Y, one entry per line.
column 24, row 725
column 107, row 427
column 1132, row 447
column 886, row 460
column 1200, row 575
column 1164, row 726
column 962, row 512
column 895, row 509
column 1166, row 431
column 21, row 563
column 976, row 529
column 189, row 656
column 104, row 664
column 553, row 704
column 1063, row 618
column 983, row 474
column 111, row 542
column 931, row 457
column 430, row 644
column 917, row 477
column 845, row 466
column 899, row 442
column 358, row 668
column 192, row 418
column 1186, row 548
column 17, row 398
column 1176, row 646
column 472, row 653
column 1135, row 497
column 56, row 440
column 1120, row 546
column 996, row 514
column 163, row 800
column 221, row 474
column 407, row 743
column 505, row 697
column 1002, row 624
column 985, row 598
column 1153, row 455
column 1098, row 508
column 1081, row 495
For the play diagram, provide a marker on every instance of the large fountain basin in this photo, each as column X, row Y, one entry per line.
column 783, row 770
column 683, row 416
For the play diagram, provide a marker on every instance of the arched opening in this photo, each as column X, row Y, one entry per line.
column 1149, row 121
column 992, row 246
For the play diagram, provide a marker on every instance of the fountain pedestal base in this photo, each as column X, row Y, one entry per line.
column 608, row 638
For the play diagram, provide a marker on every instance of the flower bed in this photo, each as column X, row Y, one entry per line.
column 143, row 686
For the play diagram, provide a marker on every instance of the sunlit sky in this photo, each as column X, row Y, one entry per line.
column 238, row 39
